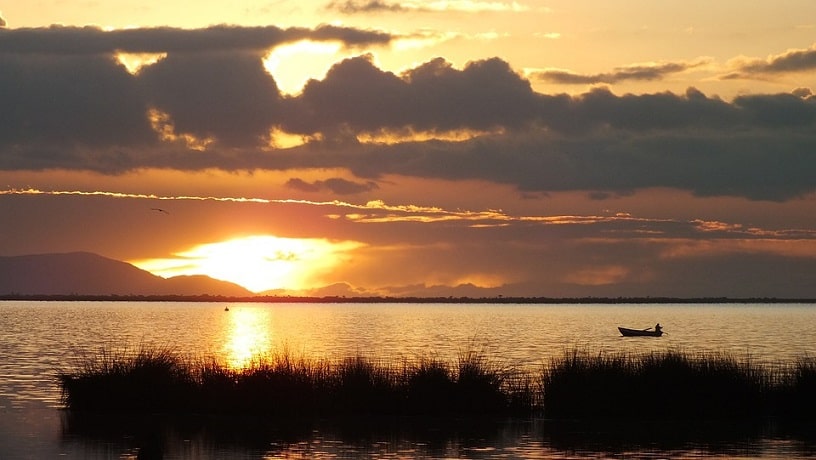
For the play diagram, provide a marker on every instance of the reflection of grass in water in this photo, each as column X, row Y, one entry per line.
column 578, row 385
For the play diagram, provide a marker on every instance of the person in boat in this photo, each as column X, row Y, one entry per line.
column 658, row 328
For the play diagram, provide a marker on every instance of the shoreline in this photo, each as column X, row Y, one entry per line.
column 420, row 300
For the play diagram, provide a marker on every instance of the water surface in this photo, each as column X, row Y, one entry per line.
column 40, row 338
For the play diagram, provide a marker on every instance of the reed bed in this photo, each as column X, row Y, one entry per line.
column 652, row 385
column 796, row 390
column 150, row 380
column 673, row 385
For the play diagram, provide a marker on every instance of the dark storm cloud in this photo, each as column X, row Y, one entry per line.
column 760, row 147
column 758, row 165
column 226, row 96
column 62, row 91
column 335, row 185
column 83, row 110
column 641, row 73
column 92, row 40
column 432, row 97
column 50, row 101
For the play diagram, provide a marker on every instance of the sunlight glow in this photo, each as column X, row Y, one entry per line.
column 292, row 65
column 258, row 263
column 248, row 336
column 134, row 62
column 598, row 275
column 281, row 139
column 482, row 280
column 162, row 124
column 393, row 137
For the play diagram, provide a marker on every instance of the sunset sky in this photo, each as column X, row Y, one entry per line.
column 385, row 147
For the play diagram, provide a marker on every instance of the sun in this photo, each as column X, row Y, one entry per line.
column 259, row 262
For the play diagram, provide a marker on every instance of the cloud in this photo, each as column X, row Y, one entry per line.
column 226, row 96
column 677, row 238
column 3, row 22
column 215, row 108
column 433, row 97
column 548, row 35
column 92, row 40
column 465, row 6
column 371, row 6
column 791, row 61
column 639, row 255
column 85, row 100
column 642, row 72
column 64, row 85
column 335, row 185
column 804, row 93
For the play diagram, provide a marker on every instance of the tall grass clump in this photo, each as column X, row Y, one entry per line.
column 274, row 385
column 359, row 385
column 656, row 385
column 796, row 392
column 147, row 379
column 282, row 385
column 480, row 385
column 577, row 385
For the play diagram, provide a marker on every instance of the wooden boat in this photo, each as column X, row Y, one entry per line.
column 626, row 332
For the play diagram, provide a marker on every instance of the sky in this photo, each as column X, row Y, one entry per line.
column 418, row 148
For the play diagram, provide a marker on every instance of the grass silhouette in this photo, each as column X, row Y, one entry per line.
column 160, row 380
column 577, row 385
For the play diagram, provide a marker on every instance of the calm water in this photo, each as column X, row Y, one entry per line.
column 39, row 338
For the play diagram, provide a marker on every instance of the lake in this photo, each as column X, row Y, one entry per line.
column 40, row 338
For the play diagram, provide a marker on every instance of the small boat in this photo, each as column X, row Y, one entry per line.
column 626, row 332
column 226, row 308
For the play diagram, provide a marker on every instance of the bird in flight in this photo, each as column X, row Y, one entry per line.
column 160, row 210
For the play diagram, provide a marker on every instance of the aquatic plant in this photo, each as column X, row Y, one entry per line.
column 796, row 390
column 654, row 385
column 578, row 385
column 282, row 385
column 151, row 379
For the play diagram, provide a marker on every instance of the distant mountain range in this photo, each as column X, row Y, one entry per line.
column 84, row 273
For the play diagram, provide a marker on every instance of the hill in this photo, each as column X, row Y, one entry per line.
column 83, row 273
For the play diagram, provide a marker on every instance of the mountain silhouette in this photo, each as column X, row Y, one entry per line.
column 84, row 273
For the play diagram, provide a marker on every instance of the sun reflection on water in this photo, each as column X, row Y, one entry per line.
column 249, row 336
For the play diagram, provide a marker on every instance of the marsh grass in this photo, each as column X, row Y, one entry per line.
column 796, row 394
column 578, row 385
column 149, row 380
column 677, row 385
column 160, row 380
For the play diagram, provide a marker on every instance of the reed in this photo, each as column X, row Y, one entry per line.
column 655, row 385
column 282, row 385
column 149, row 380
column 577, row 385
column 796, row 390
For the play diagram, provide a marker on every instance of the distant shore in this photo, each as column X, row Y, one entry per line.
column 378, row 299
